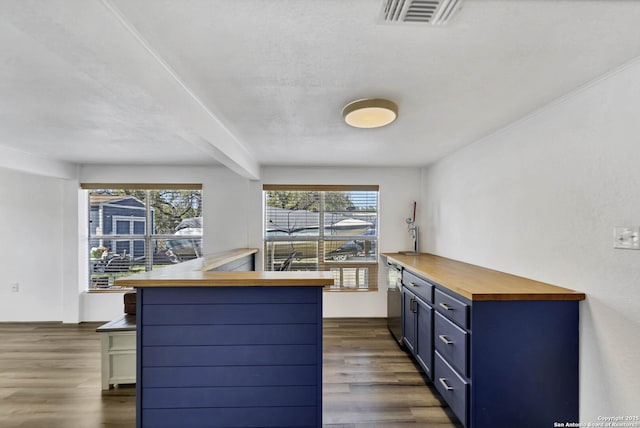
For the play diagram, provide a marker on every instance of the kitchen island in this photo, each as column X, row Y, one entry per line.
column 221, row 348
column 502, row 350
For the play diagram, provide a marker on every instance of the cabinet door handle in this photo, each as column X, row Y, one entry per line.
column 414, row 307
column 443, row 381
column 445, row 340
column 446, row 307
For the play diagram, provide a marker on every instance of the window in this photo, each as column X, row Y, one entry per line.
column 323, row 228
column 138, row 228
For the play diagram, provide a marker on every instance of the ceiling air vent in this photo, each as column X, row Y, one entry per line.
column 431, row 12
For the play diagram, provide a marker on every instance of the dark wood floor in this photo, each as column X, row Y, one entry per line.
column 50, row 377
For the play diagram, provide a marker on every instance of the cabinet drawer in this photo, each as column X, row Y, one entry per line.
column 452, row 308
column 453, row 388
column 122, row 368
column 122, row 341
column 418, row 285
column 452, row 342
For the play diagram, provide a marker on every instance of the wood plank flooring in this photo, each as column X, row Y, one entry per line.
column 368, row 381
column 50, row 377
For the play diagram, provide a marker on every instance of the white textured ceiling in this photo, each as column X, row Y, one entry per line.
column 262, row 82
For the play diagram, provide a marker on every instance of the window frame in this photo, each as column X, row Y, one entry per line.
column 322, row 239
column 148, row 219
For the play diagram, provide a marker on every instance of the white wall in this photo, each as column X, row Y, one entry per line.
column 399, row 187
column 540, row 199
column 54, row 211
column 31, row 247
column 233, row 218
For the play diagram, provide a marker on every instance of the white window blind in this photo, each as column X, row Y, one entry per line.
column 323, row 228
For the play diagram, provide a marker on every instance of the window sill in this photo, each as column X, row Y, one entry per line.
column 348, row 290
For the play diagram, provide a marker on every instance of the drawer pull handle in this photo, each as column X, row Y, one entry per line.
column 413, row 284
column 443, row 381
column 445, row 340
column 446, row 307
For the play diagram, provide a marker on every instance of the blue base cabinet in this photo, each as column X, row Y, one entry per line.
column 418, row 330
column 497, row 363
column 524, row 363
column 418, row 319
column 229, row 357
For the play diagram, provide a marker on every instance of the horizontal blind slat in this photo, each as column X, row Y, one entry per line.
column 142, row 186
column 320, row 187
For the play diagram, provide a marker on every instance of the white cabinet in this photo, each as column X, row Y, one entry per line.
column 118, row 351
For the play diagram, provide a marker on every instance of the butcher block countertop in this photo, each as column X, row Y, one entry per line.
column 478, row 283
column 199, row 273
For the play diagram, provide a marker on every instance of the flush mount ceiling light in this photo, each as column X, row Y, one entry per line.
column 370, row 113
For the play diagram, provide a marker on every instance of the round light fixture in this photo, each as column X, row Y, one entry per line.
column 370, row 113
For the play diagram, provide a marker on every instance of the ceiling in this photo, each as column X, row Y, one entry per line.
column 249, row 83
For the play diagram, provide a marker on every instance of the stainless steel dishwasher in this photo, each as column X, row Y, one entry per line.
column 394, row 301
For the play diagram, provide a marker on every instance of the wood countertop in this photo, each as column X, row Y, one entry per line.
column 478, row 283
column 199, row 273
column 123, row 323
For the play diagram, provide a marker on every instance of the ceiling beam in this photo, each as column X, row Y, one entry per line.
column 25, row 162
column 150, row 72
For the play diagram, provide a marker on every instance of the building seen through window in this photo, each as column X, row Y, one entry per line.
column 136, row 229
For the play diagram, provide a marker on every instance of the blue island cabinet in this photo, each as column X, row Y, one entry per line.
column 229, row 356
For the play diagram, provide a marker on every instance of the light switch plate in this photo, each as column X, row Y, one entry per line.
column 626, row 238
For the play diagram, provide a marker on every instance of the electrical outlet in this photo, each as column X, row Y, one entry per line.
column 15, row 287
column 626, row 238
